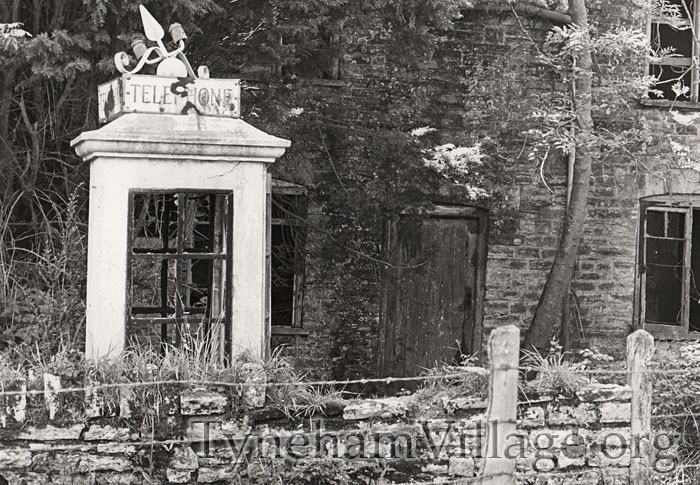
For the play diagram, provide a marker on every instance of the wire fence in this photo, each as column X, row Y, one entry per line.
column 506, row 368
column 232, row 384
column 477, row 371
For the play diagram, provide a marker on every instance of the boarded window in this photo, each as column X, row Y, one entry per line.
column 179, row 268
column 669, row 261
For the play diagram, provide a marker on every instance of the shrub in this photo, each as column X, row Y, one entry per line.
column 42, row 292
column 676, row 394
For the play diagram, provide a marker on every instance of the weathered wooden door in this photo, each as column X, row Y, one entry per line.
column 433, row 290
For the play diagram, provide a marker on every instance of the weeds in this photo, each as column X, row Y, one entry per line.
column 41, row 292
column 472, row 381
column 557, row 371
column 296, row 398
column 677, row 394
column 9, row 371
column 160, row 372
column 682, row 475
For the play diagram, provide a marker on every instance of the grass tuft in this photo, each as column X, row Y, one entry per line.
column 557, row 371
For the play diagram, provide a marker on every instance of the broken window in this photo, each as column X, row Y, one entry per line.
column 670, row 266
column 674, row 61
column 179, row 253
column 288, row 209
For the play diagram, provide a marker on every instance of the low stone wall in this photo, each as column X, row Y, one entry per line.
column 580, row 439
column 227, row 436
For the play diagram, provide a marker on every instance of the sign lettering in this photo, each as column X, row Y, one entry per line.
column 156, row 94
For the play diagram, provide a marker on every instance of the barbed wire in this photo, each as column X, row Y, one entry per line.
column 575, row 473
column 679, row 415
column 202, row 383
column 659, row 371
column 476, row 371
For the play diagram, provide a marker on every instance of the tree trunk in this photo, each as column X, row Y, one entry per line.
column 549, row 307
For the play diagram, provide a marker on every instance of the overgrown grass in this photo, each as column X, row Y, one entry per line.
column 676, row 393
column 470, row 381
column 42, row 281
column 557, row 371
column 295, row 398
column 163, row 374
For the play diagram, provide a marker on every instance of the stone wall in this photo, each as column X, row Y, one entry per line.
column 585, row 437
column 481, row 82
column 218, row 435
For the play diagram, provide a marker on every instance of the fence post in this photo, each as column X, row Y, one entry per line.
column 640, row 348
column 504, row 349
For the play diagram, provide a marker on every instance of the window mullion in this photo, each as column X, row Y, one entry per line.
column 695, row 81
column 180, row 267
column 686, row 269
column 227, row 220
column 643, row 282
column 164, row 268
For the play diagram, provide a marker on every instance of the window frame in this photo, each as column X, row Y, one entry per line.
column 282, row 187
column 674, row 61
column 666, row 204
column 180, row 256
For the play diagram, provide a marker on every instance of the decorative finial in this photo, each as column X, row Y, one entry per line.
column 154, row 32
column 168, row 64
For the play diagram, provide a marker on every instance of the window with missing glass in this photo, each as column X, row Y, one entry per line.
column 287, row 238
column 674, row 61
column 669, row 266
column 180, row 248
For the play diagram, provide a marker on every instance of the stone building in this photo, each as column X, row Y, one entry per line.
column 382, row 265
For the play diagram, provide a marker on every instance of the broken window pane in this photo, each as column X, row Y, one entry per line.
column 283, row 271
column 154, row 221
column 153, row 286
column 674, row 82
column 664, row 281
column 675, row 224
column 667, row 40
column 287, row 239
column 694, row 290
column 179, row 265
column 655, row 223
column 681, row 8
column 674, row 51
column 198, row 223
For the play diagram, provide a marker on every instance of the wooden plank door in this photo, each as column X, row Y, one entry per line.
column 433, row 292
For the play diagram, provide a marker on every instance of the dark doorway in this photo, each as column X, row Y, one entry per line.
column 434, row 289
